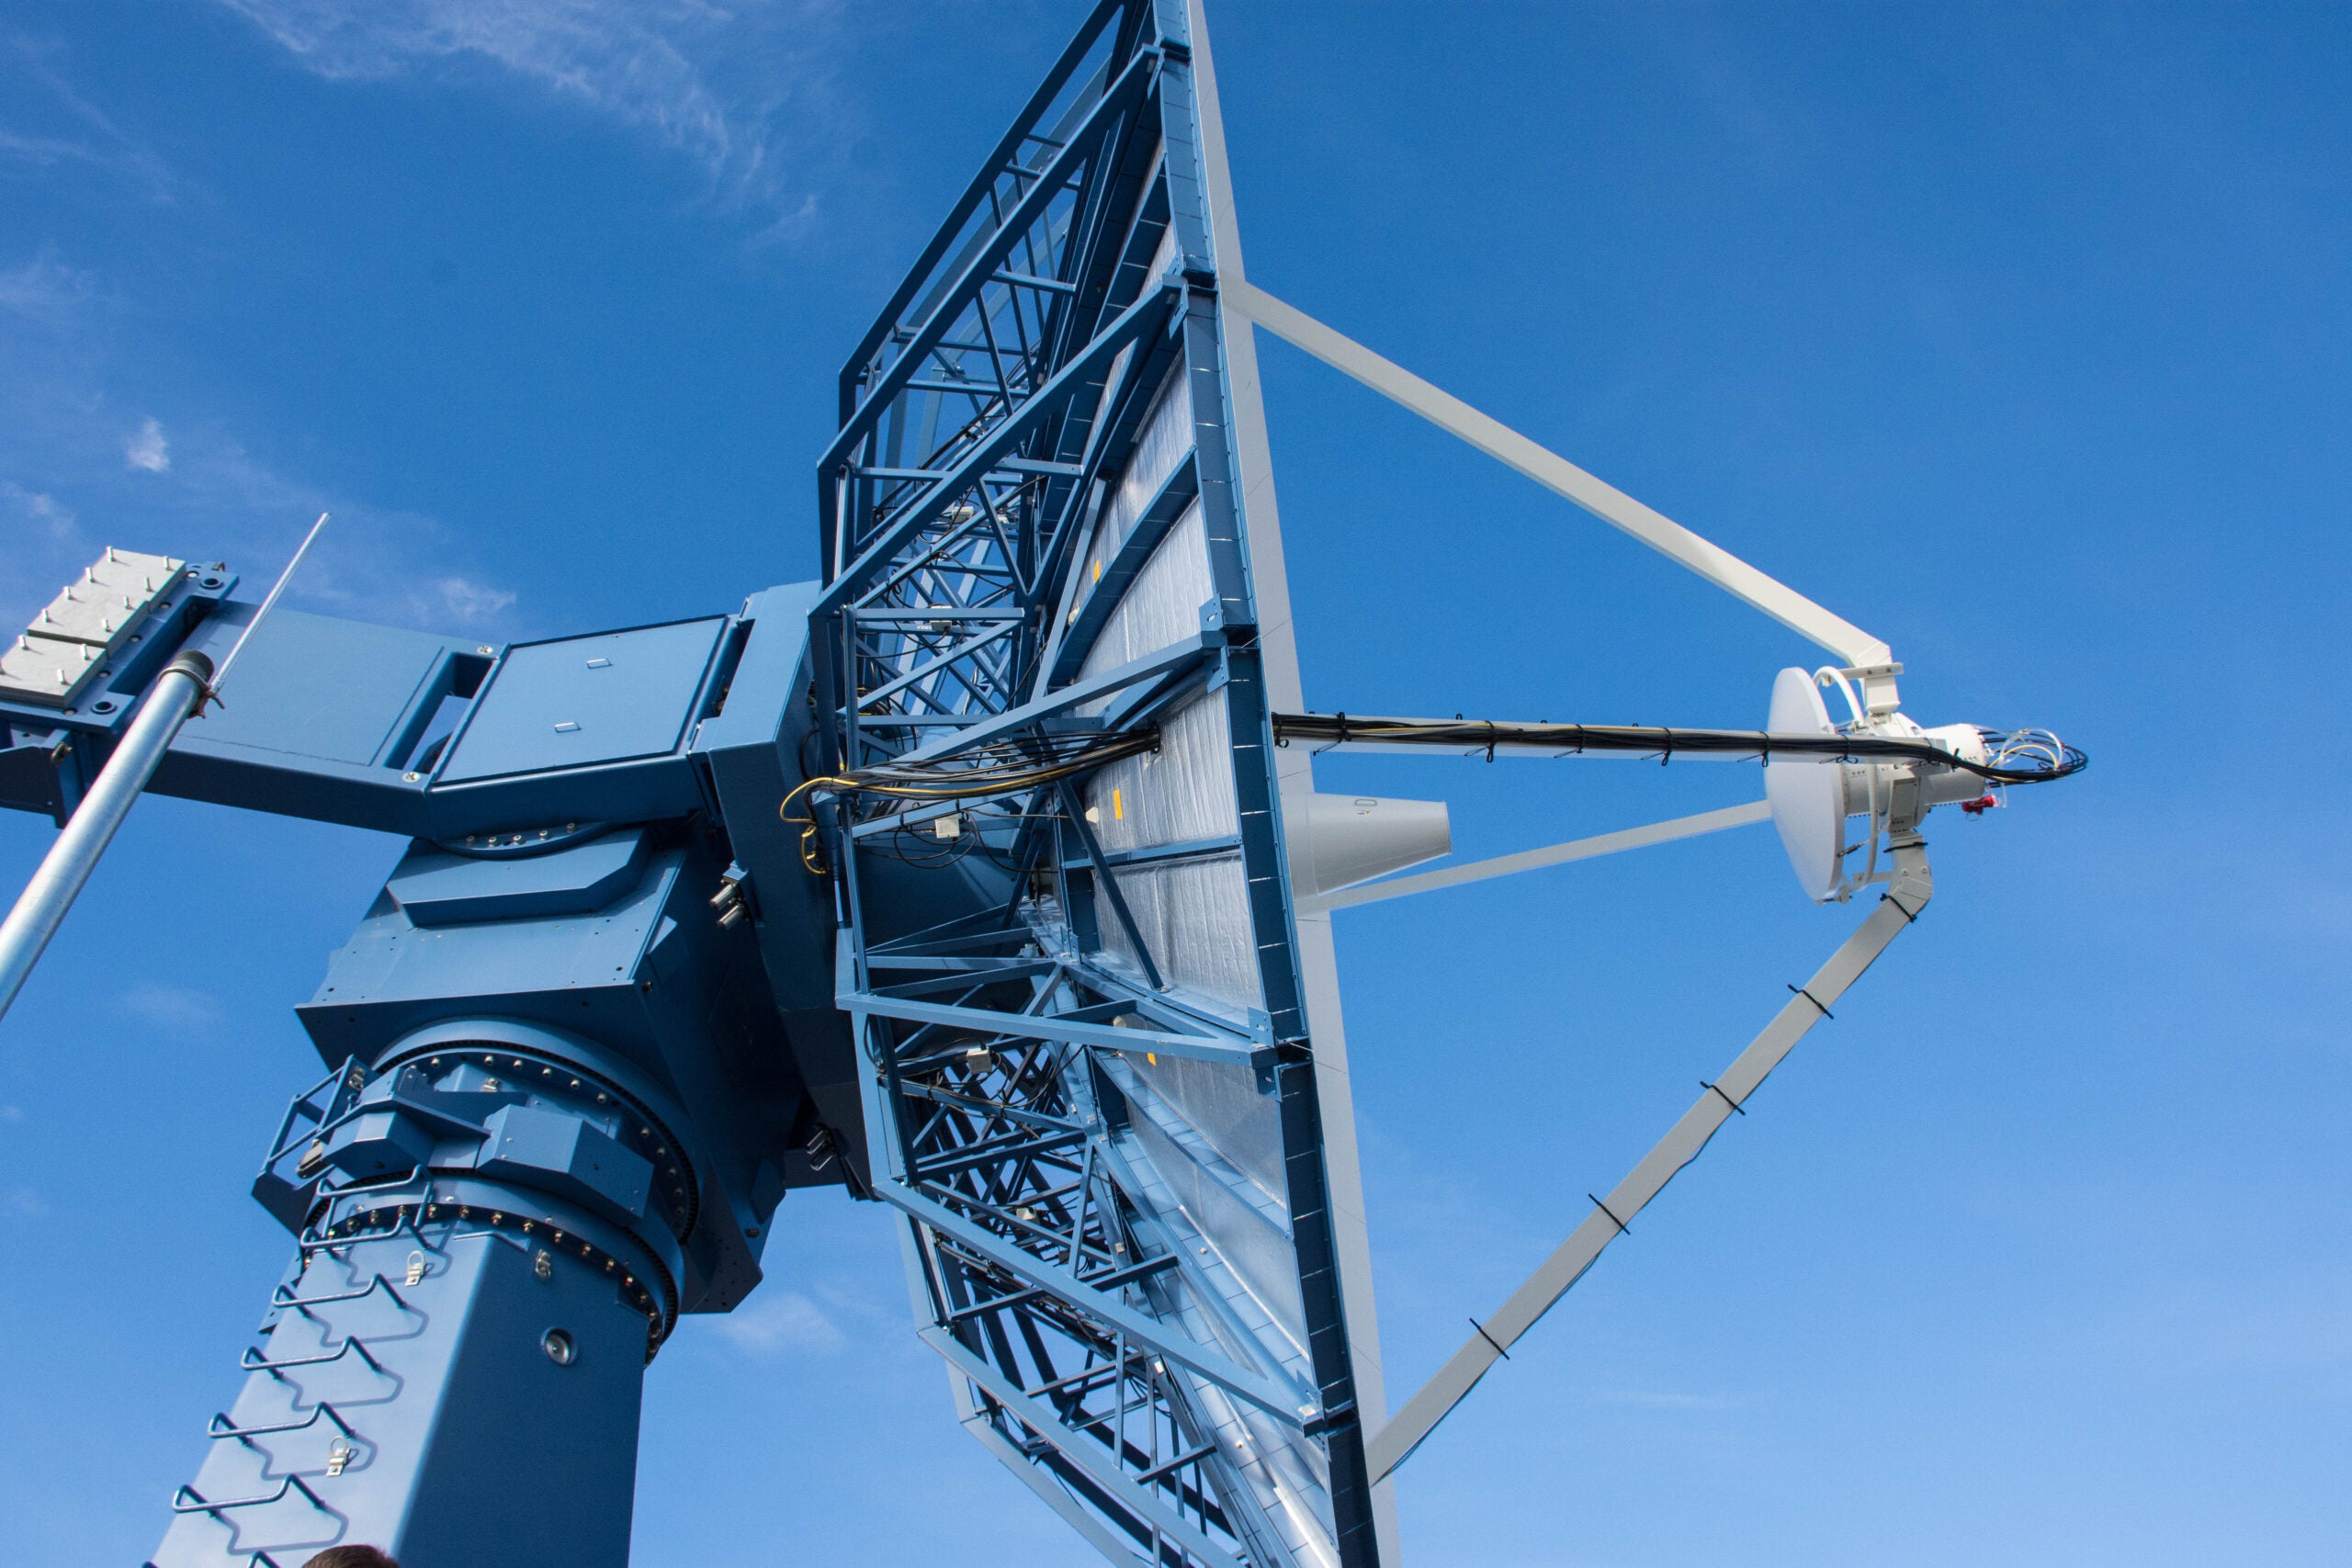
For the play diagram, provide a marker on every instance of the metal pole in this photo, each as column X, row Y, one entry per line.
column 75, row 855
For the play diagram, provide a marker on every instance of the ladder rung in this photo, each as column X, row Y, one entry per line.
column 350, row 1343
column 218, row 1426
column 278, row 1298
column 195, row 1502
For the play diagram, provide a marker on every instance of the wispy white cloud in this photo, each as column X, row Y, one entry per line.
column 44, row 290
column 728, row 86
column 147, row 449
column 176, row 1009
column 42, row 512
column 471, row 601
column 41, row 151
column 76, row 131
column 784, row 1321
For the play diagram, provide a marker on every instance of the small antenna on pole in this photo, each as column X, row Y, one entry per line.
column 269, row 602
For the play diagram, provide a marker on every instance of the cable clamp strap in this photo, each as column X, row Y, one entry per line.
column 1726, row 1098
column 1910, row 917
column 1808, row 995
column 1489, row 1338
column 1622, row 1229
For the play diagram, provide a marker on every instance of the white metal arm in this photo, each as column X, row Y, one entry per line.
column 1905, row 897
column 1856, row 647
column 1553, row 855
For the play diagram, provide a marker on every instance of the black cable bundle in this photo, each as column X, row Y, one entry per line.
column 2046, row 757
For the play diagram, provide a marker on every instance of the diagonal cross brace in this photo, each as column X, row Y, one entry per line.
column 1234, row 1050
column 1275, row 1394
column 1130, row 1490
column 1905, row 897
column 1555, row 473
column 1144, row 316
column 982, row 269
column 1625, row 839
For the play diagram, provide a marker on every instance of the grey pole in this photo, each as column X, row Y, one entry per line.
column 75, row 855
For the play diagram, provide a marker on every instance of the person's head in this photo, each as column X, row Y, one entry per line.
column 351, row 1557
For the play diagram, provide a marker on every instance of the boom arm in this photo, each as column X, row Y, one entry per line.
column 1856, row 647
column 1491, row 1340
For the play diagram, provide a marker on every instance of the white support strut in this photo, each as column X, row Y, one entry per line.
column 1552, row 854
column 1906, row 895
column 1856, row 647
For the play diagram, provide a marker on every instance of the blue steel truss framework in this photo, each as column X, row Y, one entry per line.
column 1107, row 1147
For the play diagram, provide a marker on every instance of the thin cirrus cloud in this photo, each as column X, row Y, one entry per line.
column 42, row 516
column 173, row 1009
column 46, row 124
column 77, row 474
column 724, row 85
column 44, row 290
column 786, row 1320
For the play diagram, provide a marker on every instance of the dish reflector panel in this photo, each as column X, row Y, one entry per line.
column 1104, row 1078
column 1808, row 798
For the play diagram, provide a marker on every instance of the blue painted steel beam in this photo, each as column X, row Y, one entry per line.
column 901, row 529
column 1023, row 131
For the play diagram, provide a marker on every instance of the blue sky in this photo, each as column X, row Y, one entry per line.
column 2017, row 334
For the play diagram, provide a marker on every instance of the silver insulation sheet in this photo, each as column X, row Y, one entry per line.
column 1192, row 912
column 1166, row 436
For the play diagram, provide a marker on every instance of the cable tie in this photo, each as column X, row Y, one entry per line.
column 1728, row 1099
column 1808, row 995
column 1489, row 1338
column 1910, row 917
column 1622, row 1229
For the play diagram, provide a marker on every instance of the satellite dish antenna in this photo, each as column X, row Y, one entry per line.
column 1127, row 734
column 1815, row 797
column 986, row 877
column 1808, row 800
